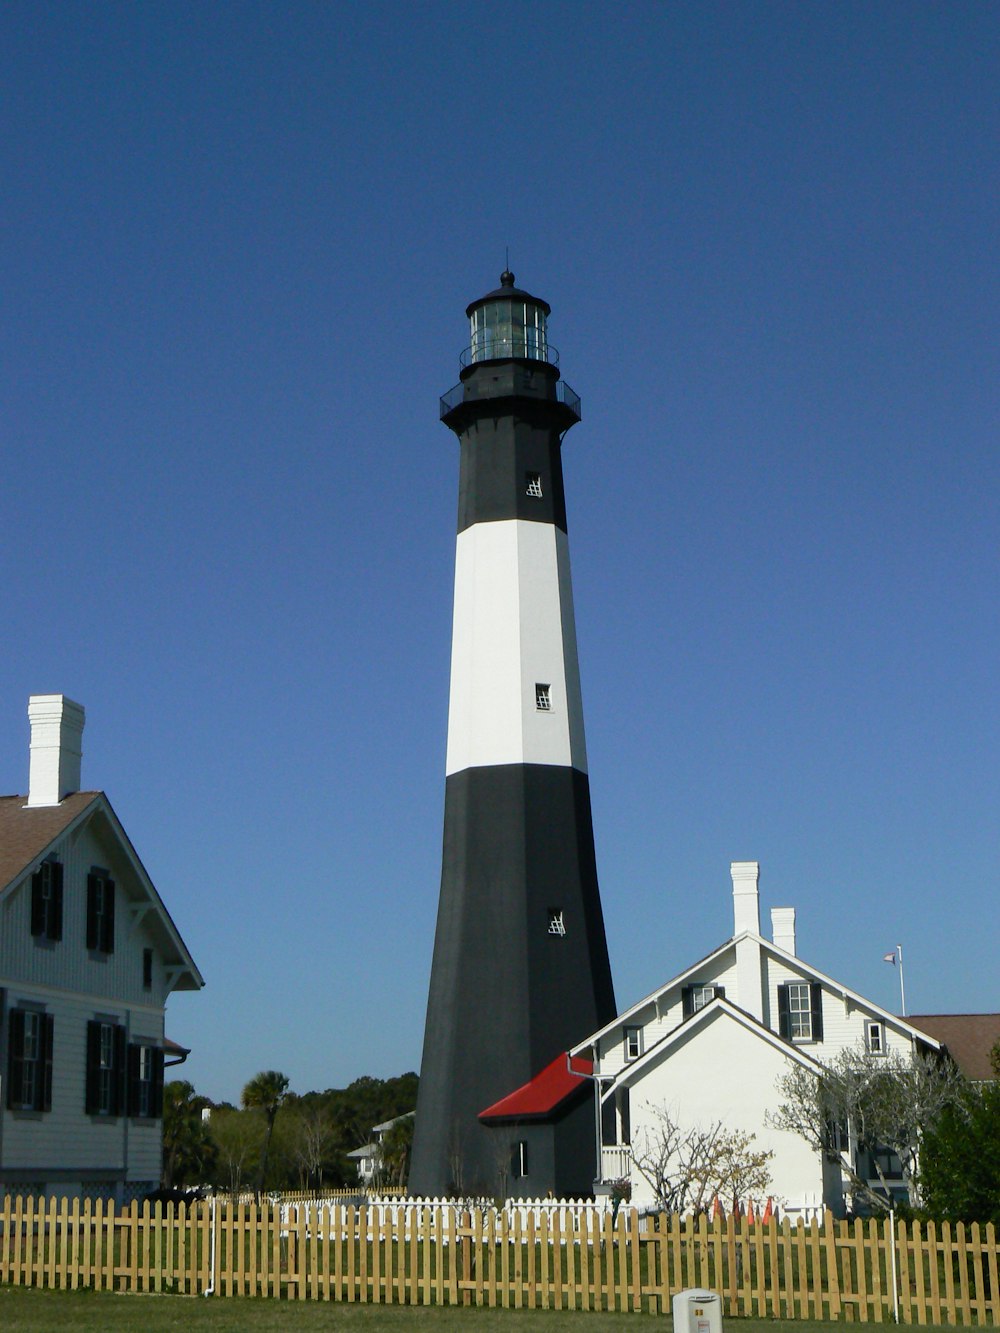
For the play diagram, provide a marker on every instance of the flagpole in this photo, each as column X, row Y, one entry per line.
column 902, row 992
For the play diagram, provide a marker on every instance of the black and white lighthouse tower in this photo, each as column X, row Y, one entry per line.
column 520, row 966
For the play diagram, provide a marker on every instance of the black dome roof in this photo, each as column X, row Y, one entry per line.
column 507, row 290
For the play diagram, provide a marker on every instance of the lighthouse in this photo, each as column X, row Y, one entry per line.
column 520, row 967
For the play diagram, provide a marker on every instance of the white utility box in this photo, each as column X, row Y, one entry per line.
column 697, row 1311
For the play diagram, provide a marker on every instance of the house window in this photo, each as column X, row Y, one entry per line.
column 800, row 1011
column 633, row 1043
column 533, row 484
column 875, row 1038
column 47, row 901
column 557, row 926
column 147, row 969
column 100, row 912
column 543, row 698
column 519, row 1159
column 145, row 1081
column 696, row 997
column 29, row 1060
column 105, row 1067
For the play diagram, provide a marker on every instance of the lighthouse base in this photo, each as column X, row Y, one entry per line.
column 520, row 968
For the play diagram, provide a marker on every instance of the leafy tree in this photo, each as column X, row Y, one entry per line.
column 237, row 1136
column 312, row 1139
column 960, row 1159
column 265, row 1092
column 887, row 1102
column 687, row 1169
column 188, row 1150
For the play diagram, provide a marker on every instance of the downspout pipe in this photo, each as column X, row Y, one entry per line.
column 596, row 1078
column 210, row 1289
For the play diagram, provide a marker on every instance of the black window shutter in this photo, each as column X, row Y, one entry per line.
column 816, row 1008
column 92, row 940
column 55, row 920
column 720, row 992
column 524, row 1155
column 15, row 1069
column 47, row 1026
column 93, row 1102
column 37, row 904
column 784, row 1024
column 156, row 1109
column 120, row 1072
column 687, row 1002
column 108, row 942
column 134, row 1058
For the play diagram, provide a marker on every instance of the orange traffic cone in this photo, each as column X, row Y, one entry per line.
column 768, row 1212
column 717, row 1210
column 750, row 1217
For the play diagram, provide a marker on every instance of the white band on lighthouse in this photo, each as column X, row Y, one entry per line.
column 514, row 631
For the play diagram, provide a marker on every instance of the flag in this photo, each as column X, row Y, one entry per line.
column 889, row 958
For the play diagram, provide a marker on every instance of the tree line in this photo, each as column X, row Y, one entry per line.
column 277, row 1139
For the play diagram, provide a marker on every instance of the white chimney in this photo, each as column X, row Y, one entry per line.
column 783, row 928
column 56, row 748
column 746, row 910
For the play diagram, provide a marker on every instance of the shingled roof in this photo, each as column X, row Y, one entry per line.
column 968, row 1037
column 26, row 831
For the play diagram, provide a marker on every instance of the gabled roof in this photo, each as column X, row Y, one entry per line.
column 792, row 961
column 719, row 1007
column 544, row 1094
column 28, row 833
column 968, row 1037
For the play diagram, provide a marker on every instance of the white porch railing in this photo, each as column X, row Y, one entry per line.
column 616, row 1162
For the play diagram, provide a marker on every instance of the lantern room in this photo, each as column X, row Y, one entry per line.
column 508, row 324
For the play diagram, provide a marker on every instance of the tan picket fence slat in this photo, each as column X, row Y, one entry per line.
column 400, row 1252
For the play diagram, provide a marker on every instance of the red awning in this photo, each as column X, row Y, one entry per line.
column 543, row 1094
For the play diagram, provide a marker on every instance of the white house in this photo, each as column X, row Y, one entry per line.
column 88, row 957
column 368, row 1158
column 711, row 1044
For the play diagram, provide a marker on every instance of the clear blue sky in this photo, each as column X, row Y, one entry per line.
column 238, row 240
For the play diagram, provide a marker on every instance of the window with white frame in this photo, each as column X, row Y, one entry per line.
column 875, row 1038
column 533, row 485
column 100, row 912
column 47, row 901
column 700, row 996
column 799, row 1010
column 633, row 1043
column 105, row 1067
column 29, row 1060
column 557, row 924
column 543, row 698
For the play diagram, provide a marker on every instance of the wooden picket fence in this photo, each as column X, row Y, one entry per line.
column 559, row 1258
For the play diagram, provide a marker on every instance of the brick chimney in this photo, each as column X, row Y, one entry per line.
column 56, row 748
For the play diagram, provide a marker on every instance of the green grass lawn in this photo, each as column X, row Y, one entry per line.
column 24, row 1310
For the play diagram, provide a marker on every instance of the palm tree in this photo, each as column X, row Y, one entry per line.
column 265, row 1092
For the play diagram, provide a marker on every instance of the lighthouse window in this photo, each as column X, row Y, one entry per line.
column 557, row 926
column 543, row 698
column 533, row 484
